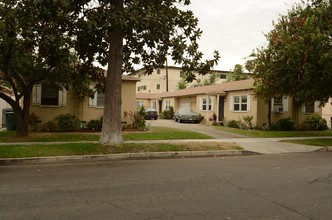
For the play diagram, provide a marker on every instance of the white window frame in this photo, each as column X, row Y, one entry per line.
column 93, row 102
column 279, row 107
column 316, row 107
column 37, row 93
column 206, row 104
column 167, row 104
column 238, row 100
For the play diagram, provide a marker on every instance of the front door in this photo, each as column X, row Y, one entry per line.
column 221, row 108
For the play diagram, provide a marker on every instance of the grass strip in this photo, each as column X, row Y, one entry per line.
column 322, row 142
column 274, row 134
column 155, row 133
column 19, row 151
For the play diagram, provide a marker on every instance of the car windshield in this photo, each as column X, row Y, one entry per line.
column 186, row 111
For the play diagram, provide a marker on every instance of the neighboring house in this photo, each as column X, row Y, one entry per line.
column 48, row 102
column 229, row 101
column 167, row 79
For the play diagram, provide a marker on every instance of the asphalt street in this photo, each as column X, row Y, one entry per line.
column 282, row 186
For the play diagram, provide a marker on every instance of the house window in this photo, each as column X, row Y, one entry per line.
column 139, row 104
column 141, row 88
column 206, row 104
column 100, row 100
column 158, row 71
column 158, row 86
column 182, row 74
column 310, row 108
column 239, row 103
column 168, row 104
column 279, row 104
column 49, row 95
column 45, row 95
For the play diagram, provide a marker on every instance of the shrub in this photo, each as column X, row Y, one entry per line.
column 167, row 114
column 233, row 124
column 285, row 124
column 94, row 125
column 247, row 119
column 315, row 122
column 137, row 119
column 49, row 126
column 33, row 122
column 67, row 122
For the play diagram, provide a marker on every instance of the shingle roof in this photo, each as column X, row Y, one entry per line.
column 130, row 78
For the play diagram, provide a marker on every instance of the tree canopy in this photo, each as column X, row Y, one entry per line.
column 121, row 33
column 236, row 74
column 297, row 61
column 36, row 47
column 42, row 41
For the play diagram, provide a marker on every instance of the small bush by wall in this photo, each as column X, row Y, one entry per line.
column 167, row 114
column 315, row 122
column 94, row 125
column 67, row 122
column 285, row 124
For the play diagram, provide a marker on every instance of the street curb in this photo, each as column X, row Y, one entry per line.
column 119, row 157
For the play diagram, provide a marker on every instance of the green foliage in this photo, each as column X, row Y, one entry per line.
column 212, row 77
column 49, row 126
column 33, row 122
column 167, row 114
column 285, row 124
column 248, row 121
column 236, row 74
column 297, row 60
column 233, row 124
column 94, row 125
column 182, row 84
column 315, row 122
column 67, row 122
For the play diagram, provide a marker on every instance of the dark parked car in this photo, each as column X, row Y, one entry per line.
column 151, row 113
column 186, row 114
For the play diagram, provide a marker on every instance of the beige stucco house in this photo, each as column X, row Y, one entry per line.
column 167, row 79
column 231, row 101
column 47, row 103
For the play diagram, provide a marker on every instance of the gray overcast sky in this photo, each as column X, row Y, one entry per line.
column 236, row 27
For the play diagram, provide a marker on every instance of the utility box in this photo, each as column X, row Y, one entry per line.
column 10, row 120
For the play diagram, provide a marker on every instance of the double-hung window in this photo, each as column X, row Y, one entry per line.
column 98, row 100
column 310, row 107
column 168, row 104
column 240, row 103
column 206, row 104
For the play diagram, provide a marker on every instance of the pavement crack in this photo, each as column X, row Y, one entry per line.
column 322, row 179
column 270, row 200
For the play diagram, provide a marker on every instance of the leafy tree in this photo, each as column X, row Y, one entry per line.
column 182, row 84
column 212, row 77
column 32, row 50
column 237, row 74
column 120, row 33
column 36, row 47
column 297, row 61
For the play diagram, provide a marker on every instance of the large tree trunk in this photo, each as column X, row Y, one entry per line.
column 111, row 131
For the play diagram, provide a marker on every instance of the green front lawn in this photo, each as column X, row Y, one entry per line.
column 322, row 142
column 155, row 133
column 274, row 134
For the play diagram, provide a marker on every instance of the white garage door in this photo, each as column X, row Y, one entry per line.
column 185, row 105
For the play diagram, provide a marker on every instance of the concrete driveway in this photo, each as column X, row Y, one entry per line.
column 257, row 145
column 204, row 129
